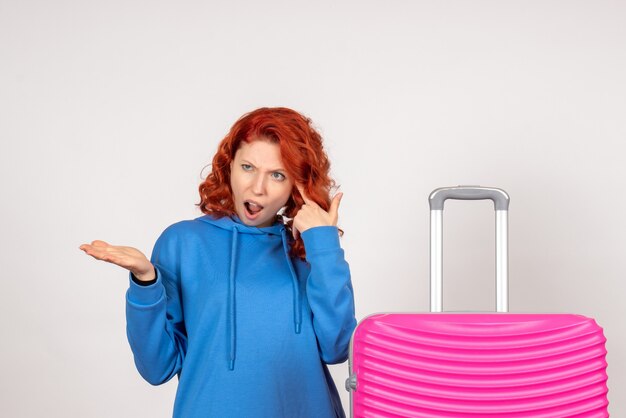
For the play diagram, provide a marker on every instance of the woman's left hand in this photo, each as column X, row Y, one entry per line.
column 311, row 214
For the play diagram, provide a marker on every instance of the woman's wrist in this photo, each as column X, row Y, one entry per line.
column 323, row 237
column 148, row 276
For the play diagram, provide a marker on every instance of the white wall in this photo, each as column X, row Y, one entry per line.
column 109, row 111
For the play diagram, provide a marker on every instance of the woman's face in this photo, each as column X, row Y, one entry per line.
column 259, row 182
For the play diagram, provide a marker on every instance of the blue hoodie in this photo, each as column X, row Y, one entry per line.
column 247, row 329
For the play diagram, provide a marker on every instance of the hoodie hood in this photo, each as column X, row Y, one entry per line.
column 231, row 222
column 237, row 227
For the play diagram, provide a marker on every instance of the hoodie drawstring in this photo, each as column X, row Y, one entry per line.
column 232, row 322
column 297, row 308
column 231, row 301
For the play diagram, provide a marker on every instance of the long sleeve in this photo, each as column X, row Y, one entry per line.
column 329, row 292
column 155, row 328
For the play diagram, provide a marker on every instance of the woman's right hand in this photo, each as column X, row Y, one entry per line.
column 129, row 258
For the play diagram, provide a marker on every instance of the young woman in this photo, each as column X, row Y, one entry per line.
column 248, row 303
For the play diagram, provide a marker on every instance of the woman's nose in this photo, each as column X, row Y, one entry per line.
column 258, row 185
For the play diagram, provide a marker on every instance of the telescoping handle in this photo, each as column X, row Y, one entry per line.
column 501, row 204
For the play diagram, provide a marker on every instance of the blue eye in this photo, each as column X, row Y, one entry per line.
column 278, row 176
column 246, row 167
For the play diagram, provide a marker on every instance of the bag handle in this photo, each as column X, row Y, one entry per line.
column 501, row 205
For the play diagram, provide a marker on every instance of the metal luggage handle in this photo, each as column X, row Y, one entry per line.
column 501, row 205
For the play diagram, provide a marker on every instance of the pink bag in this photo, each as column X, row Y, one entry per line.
column 476, row 364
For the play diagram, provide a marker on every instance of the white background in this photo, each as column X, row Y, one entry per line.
column 110, row 110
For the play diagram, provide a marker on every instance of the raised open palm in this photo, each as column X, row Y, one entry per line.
column 129, row 258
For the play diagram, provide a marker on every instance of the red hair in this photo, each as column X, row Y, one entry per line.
column 302, row 154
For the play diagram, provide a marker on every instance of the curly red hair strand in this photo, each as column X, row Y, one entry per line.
column 302, row 153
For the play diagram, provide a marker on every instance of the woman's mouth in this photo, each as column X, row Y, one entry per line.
column 252, row 209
